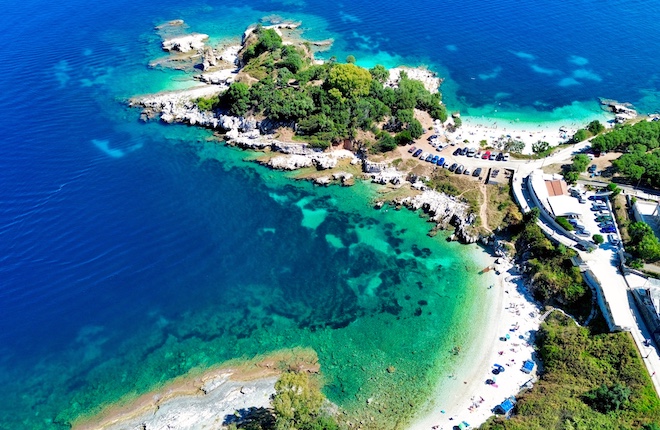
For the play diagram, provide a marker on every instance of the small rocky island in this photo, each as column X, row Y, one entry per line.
column 332, row 121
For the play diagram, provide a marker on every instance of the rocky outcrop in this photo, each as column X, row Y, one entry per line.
column 187, row 43
column 178, row 106
column 319, row 160
column 446, row 211
column 209, row 58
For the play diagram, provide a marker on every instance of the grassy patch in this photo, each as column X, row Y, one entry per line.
column 502, row 209
column 621, row 215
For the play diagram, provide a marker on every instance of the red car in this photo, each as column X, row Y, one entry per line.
column 486, row 155
column 412, row 149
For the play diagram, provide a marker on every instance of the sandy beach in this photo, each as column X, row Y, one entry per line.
column 465, row 396
column 476, row 130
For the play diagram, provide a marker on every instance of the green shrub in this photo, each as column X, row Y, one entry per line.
column 598, row 239
column 563, row 222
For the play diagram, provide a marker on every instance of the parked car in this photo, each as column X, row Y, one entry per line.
column 592, row 168
column 605, row 224
column 457, row 151
column 581, row 200
column 466, row 171
column 486, row 155
column 453, row 167
column 582, row 233
column 609, row 229
column 412, row 149
column 613, row 239
column 417, row 153
column 506, row 156
column 424, row 155
column 435, row 159
column 603, row 212
column 499, row 157
column 460, row 169
column 492, row 157
column 433, row 136
column 477, row 171
column 471, row 152
column 603, row 218
column 464, row 151
column 441, row 161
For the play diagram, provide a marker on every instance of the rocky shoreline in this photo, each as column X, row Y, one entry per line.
column 220, row 68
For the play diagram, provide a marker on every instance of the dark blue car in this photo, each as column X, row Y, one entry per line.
column 417, row 153
column 441, row 161
column 610, row 229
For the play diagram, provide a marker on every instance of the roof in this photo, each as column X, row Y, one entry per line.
column 556, row 187
column 564, row 206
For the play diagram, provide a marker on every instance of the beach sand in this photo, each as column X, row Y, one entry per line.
column 477, row 129
column 464, row 395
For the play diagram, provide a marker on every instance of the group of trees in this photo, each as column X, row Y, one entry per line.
column 641, row 144
column 298, row 404
column 646, row 133
column 327, row 102
column 644, row 243
column 639, row 165
column 554, row 278
column 579, row 165
column 593, row 128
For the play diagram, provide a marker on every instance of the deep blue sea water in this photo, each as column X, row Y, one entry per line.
column 117, row 237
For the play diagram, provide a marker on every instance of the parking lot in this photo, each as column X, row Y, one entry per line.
column 463, row 160
column 595, row 217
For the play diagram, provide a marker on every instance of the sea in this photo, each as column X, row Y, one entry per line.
column 131, row 252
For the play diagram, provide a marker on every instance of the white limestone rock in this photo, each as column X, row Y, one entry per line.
column 290, row 162
column 187, row 43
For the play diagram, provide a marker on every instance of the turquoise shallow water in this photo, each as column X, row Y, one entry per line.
column 132, row 252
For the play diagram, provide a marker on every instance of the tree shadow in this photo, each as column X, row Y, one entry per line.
column 251, row 419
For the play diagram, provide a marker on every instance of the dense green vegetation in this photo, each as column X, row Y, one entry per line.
column 579, row 165
column 641, row 144
column 639, row 165
column 328, row 102
column 593, row 128
column 623, row 136
column 563, row 222
column 298, row 404
column 643, row 242
column 554, row 279
column 590, row 381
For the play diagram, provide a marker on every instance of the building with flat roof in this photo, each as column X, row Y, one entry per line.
column 649, row 212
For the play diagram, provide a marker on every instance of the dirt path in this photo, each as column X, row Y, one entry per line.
column 483, row 210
